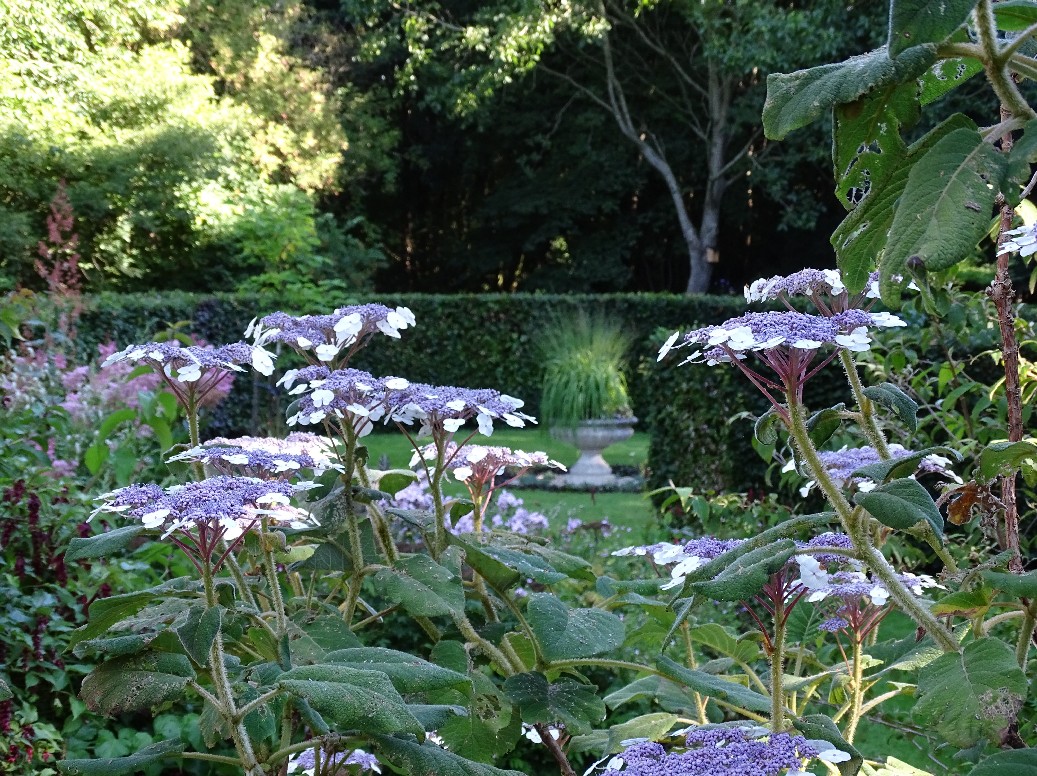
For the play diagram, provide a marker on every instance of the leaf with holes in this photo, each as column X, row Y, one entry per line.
column 861, row 237
column 566, row 633
column 575, row 705
column 972, row 695
column 136, row 682
column 912, row 22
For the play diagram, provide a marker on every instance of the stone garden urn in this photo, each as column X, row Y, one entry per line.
column 591, row 437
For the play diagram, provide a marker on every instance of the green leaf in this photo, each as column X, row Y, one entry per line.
column 964, row 603
column 945, row 208
column 822, row 728
column 1018, row 585
column 1015, row 15
column 566, row 633
column 1002, row 458
column 767, row 427
column 912, row 22
column 114, row 420
column 5, row 691
column 945, row 75
column 747, row 574
column 972, row 695
column 1015, row 762
column 503, row 567
column 714, row 686
column 903, row 466
column 824, row 423
column 327, row 557
column 106, row 612
column 423, row 587
column 118, row 766
column 351, row 698
column 198, row 632
column 394, row 480
column 717, row 638
column 861, row 237
column 649, row 727
column 797, row 99
column 894, row 399
column 408, row 674
column 136, row 682
column 428, row 759
column 901, row 504
column 103, row 545
column 575, row 705
column 95, row 457
column 491, row 729
column 460, row 508
column 433, row 716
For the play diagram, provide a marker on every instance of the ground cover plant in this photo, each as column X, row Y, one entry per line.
column 321, row 626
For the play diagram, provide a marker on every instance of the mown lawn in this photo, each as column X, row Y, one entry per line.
column 624, row 510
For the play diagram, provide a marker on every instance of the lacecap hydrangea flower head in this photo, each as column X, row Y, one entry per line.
column 727, row 751
column 264, row 457
column 824, row 287
column 351, row 395
column 331, row 338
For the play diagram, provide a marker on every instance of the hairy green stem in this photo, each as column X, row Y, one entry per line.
column 869, row 424
column 857, row 690
column 270, row 567
column 777, row 687
column 994, row 63
column 1022, row 646
column 856, row 527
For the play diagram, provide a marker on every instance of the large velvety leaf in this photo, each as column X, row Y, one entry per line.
column 716, row 637
column 901, row 504
column 428, row 759
column 198, row 632
column 861, row 237
column 105, row 612
column 103, row 544
column 1016, row 762
column 866, row 139
column 1020, row 585
column 575, row 705
column 423, row 587
column 797, row 99
column 972, row 695
column 352, row 698
column 893, row 398
column 504, row 567
column 1015, row 15
column 747, row 574
column 912, row 22
column 668, row 694
column 407, row 673
column 136, row 682
column 490, row 730
column 714, row 686
column 945, row 75
column 566, row 633
column 945, row 208
column 118, row 766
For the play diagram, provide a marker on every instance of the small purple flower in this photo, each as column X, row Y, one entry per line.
column 305, row 762
column 328, row 337
column 190, row 363
column 828, row 539
column 824, row 287
column 481, row 463
column 687, row 557
column 841, row 465
column 346, row 394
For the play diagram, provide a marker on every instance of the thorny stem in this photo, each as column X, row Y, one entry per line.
column 867, row 409
column 1002, row 294
column 856, row 528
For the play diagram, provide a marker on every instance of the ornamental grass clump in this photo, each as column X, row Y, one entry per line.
column 584, row 379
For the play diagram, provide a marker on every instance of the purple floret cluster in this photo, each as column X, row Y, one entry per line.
column 263, row 457
column 721, row 752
